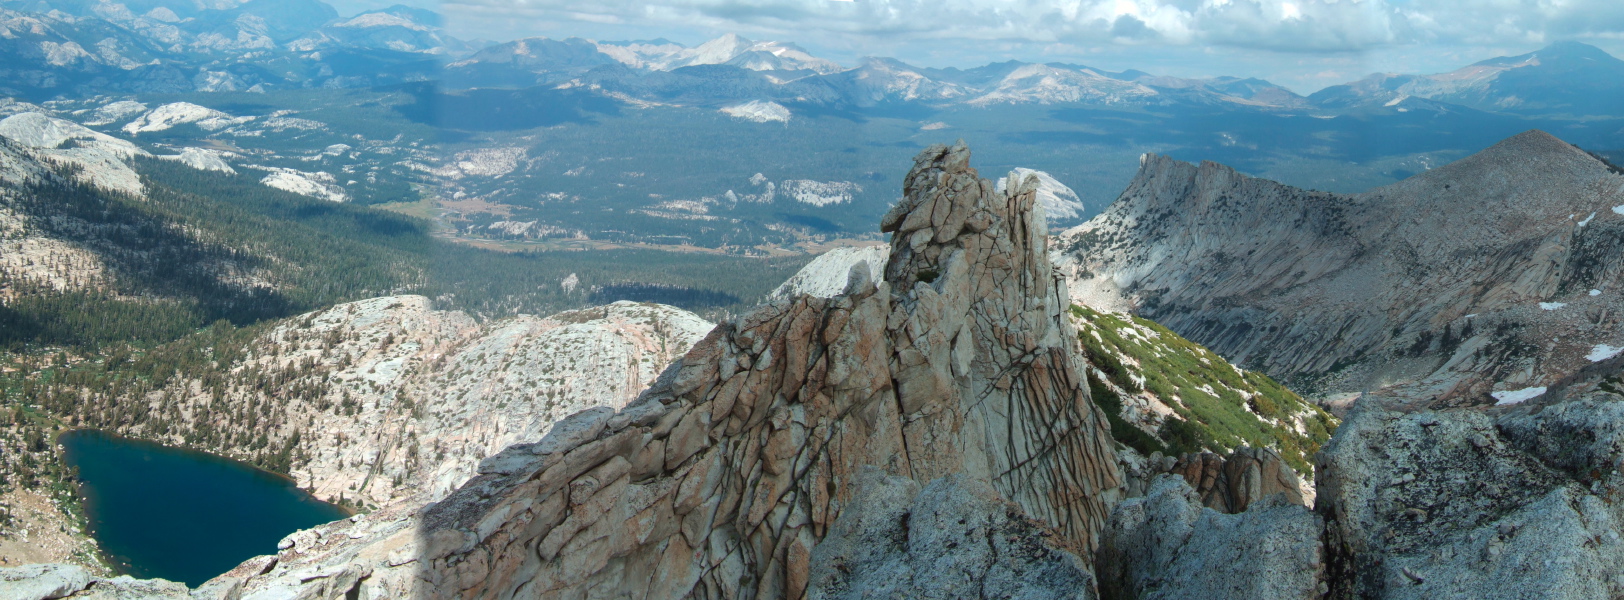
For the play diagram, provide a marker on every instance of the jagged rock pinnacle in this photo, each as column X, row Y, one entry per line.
column 722, row 477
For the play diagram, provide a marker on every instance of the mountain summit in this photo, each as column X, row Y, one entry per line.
column 1569, row 78
column 1498, row 272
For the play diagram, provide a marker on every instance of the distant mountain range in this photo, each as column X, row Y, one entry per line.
column 84, row 47
column 508, row 142
column 1567, row 78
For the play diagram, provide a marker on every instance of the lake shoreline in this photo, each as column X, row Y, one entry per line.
column 55, row 441
column 177, row 513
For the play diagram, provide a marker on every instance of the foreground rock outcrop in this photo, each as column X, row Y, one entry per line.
column 1519, row 502
column 51, row 581
column 1167, row 545
column 720, row 480
column 955, row 538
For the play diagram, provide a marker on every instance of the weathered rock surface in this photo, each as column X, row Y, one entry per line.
column 1229, row 484
column 956, row 538
column 100, row 158
column 1167, row 545
column 1518, row 502
column 1498, row 272
column 722, row 478
column 42, row 581
column 50, row 581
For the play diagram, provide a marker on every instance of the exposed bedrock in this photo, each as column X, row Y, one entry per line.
column 1519, row 502
column 955, row 538
column 1167, row 545
column 720, row 480
column 1231, row 484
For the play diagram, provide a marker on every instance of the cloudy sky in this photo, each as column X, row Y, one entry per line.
column 1304, row 44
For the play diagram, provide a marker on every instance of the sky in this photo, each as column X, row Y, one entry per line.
column 1302, row 44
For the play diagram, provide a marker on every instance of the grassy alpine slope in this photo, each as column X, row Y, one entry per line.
column 1163, row 393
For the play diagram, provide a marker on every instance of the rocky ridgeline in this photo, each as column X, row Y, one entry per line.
column 26, row 257
column 725, row 474
column 1497, row 273
column 389, row 399
column 1175, row 407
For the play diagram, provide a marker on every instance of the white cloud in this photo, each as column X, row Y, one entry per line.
column 1294, row 25
column 1176, row 21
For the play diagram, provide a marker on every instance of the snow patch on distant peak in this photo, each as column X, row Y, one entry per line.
column 381, row 20
column 1396, row 100
column 1044, row 84
column 1059, row 201
column 1587, row 220
column 1551, row 305
column 181, row 113
column 759, row 111
column 1517, row 396
column 64, row 53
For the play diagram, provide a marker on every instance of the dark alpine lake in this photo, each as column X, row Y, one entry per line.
column 183, row 515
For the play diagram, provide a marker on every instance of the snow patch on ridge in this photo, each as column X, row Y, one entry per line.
column 111, row 113
column 1603, row 352
column 1516, row 396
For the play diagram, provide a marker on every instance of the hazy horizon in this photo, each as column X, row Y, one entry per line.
column 1305, row 45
